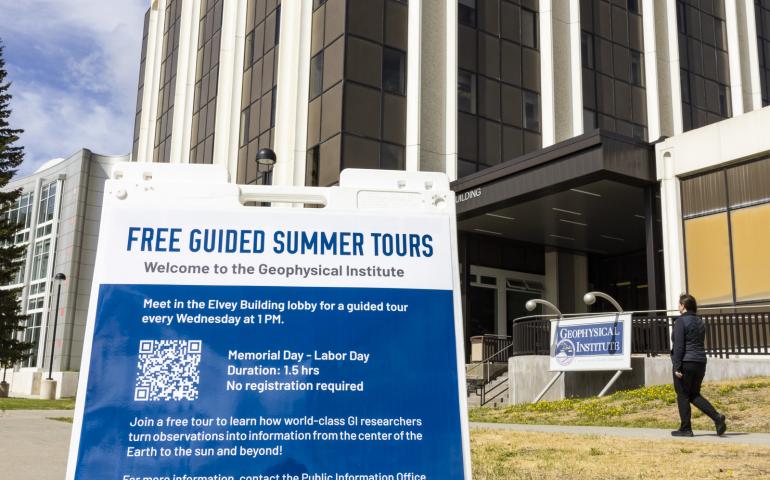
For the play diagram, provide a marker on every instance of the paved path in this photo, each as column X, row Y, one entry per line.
column 757, row 439
column 32, row 446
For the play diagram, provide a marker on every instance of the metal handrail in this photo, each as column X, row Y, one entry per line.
column 634, row 312
column 486, row 360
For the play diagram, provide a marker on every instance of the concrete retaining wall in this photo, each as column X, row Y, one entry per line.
column 26, row 382
column 528, row 375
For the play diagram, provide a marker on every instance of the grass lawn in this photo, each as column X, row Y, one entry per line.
column 746, row 403
column 500, row 455
column 36, row 404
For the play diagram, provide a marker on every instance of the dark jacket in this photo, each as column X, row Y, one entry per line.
column 687, row 340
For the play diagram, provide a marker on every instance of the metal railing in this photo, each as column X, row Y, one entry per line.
column 726, row 334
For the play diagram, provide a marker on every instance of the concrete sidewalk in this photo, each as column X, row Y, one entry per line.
column 730, row 438
column 32, row 445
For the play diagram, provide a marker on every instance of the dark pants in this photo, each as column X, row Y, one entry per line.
column 688, row 391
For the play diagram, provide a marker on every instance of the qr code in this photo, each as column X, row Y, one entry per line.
column 167, row 370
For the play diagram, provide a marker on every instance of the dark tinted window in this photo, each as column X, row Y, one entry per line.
column 704, row 63
column 614, row 96
column 357, row 112
column 259, row 92
column 762, row 16
column 466, row 12
column 394, row 71
column 498, row 83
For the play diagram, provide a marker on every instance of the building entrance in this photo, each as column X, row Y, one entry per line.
column 498, row 296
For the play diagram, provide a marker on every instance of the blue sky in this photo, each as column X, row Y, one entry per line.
column 74, row 67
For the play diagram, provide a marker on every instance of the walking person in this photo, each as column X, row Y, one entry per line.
column 688, row 356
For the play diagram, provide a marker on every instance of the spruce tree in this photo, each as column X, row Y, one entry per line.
column 12, row 350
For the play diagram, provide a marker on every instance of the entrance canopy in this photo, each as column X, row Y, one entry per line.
column 591, row 193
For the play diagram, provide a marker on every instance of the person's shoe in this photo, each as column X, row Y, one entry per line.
column 721, row 425
column 681, row 433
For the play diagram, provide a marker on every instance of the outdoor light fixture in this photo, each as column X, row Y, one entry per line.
column 59, row 277
column 266, row 159
column 532, row 304
column 590, row 298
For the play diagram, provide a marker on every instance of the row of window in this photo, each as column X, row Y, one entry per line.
column 259, row 91
column 762, row 16
column 206, row 80
column 168, row 68
column 614, row 96
column 498, row 82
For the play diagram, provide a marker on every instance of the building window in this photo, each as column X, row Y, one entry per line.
column 726, row 221
column 762, row 16
column 32, row 335
column 532, row 111
column 316, row 75
column 47, row 203
column 637, row 69
column 466, row 12
column 394, row 71
column 466, row 91
column 20, row 212
column 528, row 28
column 40, row 260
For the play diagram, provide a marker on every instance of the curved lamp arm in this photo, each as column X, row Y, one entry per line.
column 533, row 303
column 590, row 298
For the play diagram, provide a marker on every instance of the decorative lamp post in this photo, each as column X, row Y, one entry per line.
column 48, row 386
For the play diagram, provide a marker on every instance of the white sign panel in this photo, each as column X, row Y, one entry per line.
column 600, row 342
column 227, row 341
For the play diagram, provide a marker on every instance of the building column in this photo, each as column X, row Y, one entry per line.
column 673, row 230
column 651, row 72
column 547, row 106
column 230, row 80
column 413, row 84
column 291, row 104
column 669, row 81
column 747, row 29
column 651, row 248
column 734, row 57
column 151, row 81
column 436, row 147
column 184, row 95
column 561, row 70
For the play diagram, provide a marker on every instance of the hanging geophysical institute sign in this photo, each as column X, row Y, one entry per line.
column 601, row 342
column 232, row 342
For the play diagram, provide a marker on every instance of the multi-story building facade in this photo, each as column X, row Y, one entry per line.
column 58, row 211
column 546, row 114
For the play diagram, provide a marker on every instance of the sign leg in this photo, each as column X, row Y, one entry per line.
column 609, row 384
column 547, row 387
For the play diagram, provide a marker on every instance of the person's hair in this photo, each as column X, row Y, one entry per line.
column 688, row 302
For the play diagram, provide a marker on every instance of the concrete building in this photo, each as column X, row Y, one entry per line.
column 546, row 114
column 59, row 209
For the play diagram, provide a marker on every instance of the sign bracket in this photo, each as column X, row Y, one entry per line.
column 547, row 387
column 610, row 383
